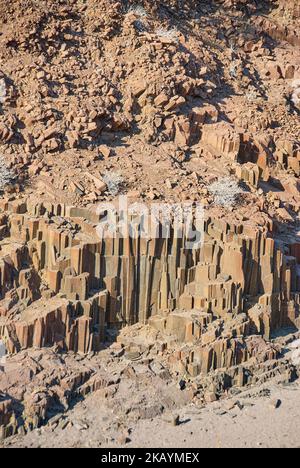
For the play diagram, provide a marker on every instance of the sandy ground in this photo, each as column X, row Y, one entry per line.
column 251, row 420
column 260, row 425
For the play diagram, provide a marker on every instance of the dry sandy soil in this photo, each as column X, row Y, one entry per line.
column 248, row 421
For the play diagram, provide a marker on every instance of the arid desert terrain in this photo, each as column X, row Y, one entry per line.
column 149, row 223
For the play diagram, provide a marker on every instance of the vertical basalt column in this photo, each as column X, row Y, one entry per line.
column 76, row 259
column 164, row 291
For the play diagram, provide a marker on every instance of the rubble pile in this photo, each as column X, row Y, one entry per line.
column 83, row 80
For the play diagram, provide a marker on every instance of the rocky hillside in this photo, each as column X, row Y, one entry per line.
column 170, row 102
column 149, row 89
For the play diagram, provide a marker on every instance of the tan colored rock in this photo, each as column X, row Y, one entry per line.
column 97, row 181
column 223, row 139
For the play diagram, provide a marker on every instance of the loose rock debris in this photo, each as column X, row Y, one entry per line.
column 163, row 102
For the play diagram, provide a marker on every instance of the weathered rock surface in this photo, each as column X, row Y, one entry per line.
column 159, row 101
column 224, row 299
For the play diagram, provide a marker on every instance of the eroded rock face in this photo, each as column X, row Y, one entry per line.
column 61, row 284
column 32, row 388
column 290, row 12
column 167, row 98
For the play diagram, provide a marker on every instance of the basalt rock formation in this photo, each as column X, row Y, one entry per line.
column 215, row 307
column 69, row 284
column 159, row 102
